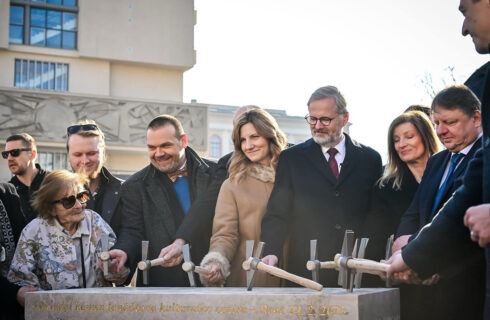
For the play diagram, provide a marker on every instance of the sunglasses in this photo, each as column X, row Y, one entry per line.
column 69, row 202
column 81, row 127
column 14, row 152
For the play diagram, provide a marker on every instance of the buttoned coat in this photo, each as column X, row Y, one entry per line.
column 146, row 214
column 307, row 202
column 240, row 208
column 446, row 244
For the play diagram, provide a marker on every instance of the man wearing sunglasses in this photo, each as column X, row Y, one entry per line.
column 21, row 153
column 156, row 204
column 86, row 153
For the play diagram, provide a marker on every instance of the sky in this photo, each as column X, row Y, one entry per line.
column 275, row 53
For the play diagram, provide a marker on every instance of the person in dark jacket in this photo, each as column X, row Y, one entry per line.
column 315, row 184
column 447, row 242
column 411, row 141
column 87, row 154
column 156, row 201
column 21, row 153
column 12, row 221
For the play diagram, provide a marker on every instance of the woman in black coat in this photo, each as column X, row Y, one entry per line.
column 411, row 141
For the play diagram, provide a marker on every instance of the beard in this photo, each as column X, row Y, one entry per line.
column 327, row 141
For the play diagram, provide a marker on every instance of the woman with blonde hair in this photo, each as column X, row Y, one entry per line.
column 411, row 142
column 243, row 198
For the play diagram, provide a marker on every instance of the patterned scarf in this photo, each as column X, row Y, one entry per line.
column 6, row 240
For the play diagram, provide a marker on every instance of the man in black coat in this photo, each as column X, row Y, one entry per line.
column 156, row 202
column 323, row 187
column 21, row 153
column 447, row 242
column 87, row 154
column 457, row 116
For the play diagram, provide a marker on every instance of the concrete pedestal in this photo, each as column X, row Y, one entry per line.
column 213, row 303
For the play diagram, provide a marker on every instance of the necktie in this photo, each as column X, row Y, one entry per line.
column 442, row 190
column 332, row 162
column 178, row 173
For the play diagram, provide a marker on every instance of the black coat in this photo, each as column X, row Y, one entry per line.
column 8, row 292
column 26, row 192
column 150, row 210
column 446, row 244
column 307, row 202
column 389, row 204
column 107, row 197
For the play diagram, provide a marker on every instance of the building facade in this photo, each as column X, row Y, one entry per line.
column 119, row 63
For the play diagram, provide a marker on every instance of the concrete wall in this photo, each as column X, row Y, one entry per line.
column 141, row 81
column 149, row 31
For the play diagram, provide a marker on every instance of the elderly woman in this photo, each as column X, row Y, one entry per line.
column 243, row 198
column 60, row 248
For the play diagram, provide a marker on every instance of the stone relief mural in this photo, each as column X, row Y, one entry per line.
column 46, row 116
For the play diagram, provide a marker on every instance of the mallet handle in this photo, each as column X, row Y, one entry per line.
column 364, row 266
column 188, row 266
column 310, row 265
column 283, row 274
column 144, row 265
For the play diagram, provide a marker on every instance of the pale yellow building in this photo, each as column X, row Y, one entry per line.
column 117, row 62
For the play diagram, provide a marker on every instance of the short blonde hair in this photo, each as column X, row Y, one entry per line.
column 55, row 182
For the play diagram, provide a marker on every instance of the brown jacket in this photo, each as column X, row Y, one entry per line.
column 239, row 211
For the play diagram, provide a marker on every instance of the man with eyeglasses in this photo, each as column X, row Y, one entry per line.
column 87, row 154
column 322, row 188
column 21, row 153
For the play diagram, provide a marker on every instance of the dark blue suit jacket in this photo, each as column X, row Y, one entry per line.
column 446, row 242
column 420, row 210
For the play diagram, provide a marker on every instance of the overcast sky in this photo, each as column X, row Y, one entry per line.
column 275, row 53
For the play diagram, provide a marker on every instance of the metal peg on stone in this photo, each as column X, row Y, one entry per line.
column 189, row 267
column 253, row 263
column 389, row 247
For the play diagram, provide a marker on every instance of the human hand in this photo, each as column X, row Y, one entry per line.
column 215, row 277
column 432, row 280
column 172, row 254
column 21, row 294
column 477, row 219
column 270, row 260
column 399, row 243
column 118, row 259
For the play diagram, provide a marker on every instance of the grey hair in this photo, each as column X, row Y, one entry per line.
column 330, row 92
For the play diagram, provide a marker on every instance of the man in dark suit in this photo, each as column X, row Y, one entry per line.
column 87, row 154
column 456, row 114
column 323, row 187
column 447, row 242
column 155, row 203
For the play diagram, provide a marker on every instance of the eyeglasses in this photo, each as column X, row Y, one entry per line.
column 313, row 120
column 69, row 202
column 81, row 127
column 14, row 152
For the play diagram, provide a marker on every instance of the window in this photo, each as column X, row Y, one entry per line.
column 52, row 160
column 41, row 75
column 46, row 23
column 215, row 147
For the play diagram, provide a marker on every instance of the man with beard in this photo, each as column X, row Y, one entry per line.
column 21, row 153
column 447, row 244
column 156, row 203
column 86, row 153
column 323, row 187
